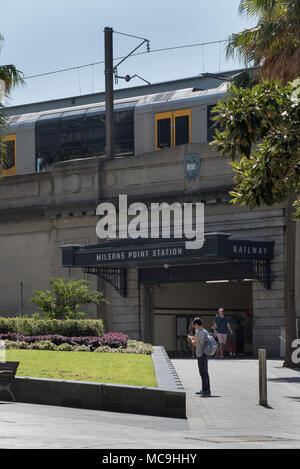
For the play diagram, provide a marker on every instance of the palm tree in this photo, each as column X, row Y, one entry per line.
column 274, row 44
column 273, row 47
column 11, row 77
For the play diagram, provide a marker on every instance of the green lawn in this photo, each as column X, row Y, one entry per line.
column 117, row 368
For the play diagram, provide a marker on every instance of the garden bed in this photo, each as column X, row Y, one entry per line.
column 166, row 399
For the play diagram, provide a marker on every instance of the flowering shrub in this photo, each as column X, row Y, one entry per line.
column 134, row 347
column 43, row 345
column 114, row 340
column 65, row 348
column 82, row 348
column 11, row 344
column 107, row 349
column 55, row 339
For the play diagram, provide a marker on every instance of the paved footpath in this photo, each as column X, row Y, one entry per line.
column 230, row 418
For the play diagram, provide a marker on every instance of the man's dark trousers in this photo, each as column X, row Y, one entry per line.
column 203, row 370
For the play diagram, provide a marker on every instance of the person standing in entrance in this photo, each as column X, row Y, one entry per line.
column 222, row 327
column 200, row 341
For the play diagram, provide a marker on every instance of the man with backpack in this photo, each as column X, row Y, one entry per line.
column 205, row 346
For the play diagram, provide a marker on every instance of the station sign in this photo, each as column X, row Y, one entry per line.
column 216, row 245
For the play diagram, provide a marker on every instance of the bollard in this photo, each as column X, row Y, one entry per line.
column 262, row 360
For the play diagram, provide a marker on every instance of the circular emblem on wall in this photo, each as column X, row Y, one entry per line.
column 192, row 166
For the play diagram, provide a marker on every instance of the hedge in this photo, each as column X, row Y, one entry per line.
column 63, row 327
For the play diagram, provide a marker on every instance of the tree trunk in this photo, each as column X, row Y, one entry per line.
column 290, row 273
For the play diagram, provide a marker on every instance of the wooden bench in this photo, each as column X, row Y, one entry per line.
column 7, row 375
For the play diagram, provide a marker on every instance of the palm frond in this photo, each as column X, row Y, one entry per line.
column 274, row 43
column 240, row 45
column 11, row 77
column 258, row 8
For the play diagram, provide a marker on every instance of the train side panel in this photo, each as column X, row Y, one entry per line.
column 26, row 149
column 189, row 118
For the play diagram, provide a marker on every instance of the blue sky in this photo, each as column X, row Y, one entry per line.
column 42, row 36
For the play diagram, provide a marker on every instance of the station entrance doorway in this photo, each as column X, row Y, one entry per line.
column 175, row 296
column 176, row 284
column 176, row 304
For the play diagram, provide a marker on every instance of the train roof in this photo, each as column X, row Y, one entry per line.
column 202, row 80
column 140, row 102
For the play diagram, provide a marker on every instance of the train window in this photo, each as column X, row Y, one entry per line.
column 172, row 128
column 94, row 134
column 163, row 130
column 71, row 140
column 182, row 127
column 9, row 155
column 81, row 134
column 124, row 133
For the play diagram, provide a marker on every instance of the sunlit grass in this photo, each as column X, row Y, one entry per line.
column 117, row 368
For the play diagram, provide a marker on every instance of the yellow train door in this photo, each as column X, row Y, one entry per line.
column 172, row 128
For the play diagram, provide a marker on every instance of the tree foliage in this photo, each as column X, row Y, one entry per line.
column 10, row 74
column 262, row 126
column 11, row 78
column 274, row 43
column 64, row 298
column 261, row 135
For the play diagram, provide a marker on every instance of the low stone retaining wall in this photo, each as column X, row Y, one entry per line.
column 168, row 400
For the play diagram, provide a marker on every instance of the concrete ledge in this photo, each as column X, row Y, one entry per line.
column 166, row 374
column 168, row 400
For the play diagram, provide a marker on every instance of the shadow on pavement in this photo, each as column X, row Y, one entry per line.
column 283, row 379
column 294, row 398
column 208, row 397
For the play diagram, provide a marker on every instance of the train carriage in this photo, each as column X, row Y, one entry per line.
column 143, row 124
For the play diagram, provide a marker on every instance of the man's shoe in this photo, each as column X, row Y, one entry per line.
column 206, row 393
column 200, row 393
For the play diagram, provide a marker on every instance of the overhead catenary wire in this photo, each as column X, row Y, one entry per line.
column 92, row 64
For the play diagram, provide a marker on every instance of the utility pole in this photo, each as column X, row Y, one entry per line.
column 109, row 132
column 109, row 92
